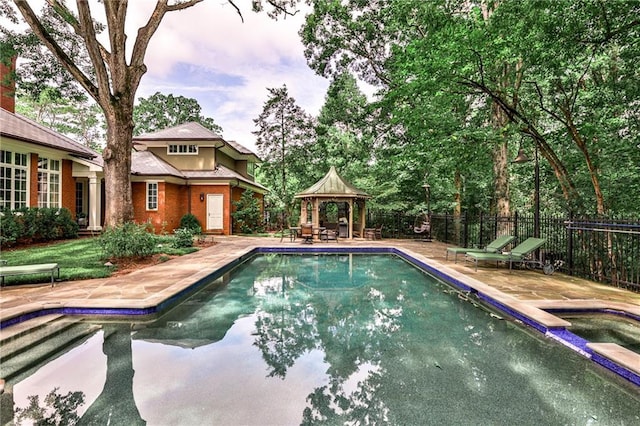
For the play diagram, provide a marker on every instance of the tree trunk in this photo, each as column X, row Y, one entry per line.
column 117, row 166
column 582, row 146
column 502, row 206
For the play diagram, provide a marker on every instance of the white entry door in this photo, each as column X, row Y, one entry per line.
column 215, row 210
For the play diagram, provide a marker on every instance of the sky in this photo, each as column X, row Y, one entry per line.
column 207, row 53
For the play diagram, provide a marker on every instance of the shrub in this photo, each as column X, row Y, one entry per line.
column 128, row 240
column 189, row 221
column 66, row 226
column 25, row 225
column 248, row 216
column 183, row 237
column 11, row 228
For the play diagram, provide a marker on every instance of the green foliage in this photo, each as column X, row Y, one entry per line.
column 12, row 228
column 285, row 132
column 28, row 225
column 160, row 111
column 183, row 237
column 459, row 82
column 248, row 216
column 128, row 240
column 79, row 118
column 191, row 222
column 57, row 410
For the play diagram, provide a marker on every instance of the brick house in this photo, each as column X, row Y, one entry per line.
column 42, row 168
column 190, row 169
column 184, row 169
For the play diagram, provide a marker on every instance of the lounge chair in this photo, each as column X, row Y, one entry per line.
column 519, row 254
column 494, row 246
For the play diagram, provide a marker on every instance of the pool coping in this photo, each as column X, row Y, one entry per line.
column 537, row 314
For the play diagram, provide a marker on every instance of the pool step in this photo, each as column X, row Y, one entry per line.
column 35, row 341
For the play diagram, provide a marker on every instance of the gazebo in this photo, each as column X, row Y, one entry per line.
column 332, row 188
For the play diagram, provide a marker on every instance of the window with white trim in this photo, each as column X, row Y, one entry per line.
column 48, row 182
column 13, row 179
column 152, row 195
column 251, row 168
column 182, row 149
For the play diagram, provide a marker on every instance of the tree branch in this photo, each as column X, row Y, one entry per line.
column 36, row 26
column 95, row 51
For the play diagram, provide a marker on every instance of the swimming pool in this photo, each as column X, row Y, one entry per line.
column 341, row 338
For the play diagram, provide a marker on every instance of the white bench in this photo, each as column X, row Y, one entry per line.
column 53, row 268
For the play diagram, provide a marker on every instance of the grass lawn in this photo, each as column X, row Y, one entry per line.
column 78, row 259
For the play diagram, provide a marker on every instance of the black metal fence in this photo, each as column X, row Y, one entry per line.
column 605, row 250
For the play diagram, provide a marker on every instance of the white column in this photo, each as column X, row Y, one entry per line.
column 95, row 206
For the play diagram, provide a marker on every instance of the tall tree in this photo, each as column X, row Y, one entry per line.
column 343, row 136
column 115, row 75
column 160, row 111
column 284, row 130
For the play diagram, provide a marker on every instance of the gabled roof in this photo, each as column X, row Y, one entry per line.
column 21, row 128
column 220, row 172
column 332, row 185
column 240, row 152
column 146, row 163
column 191, row 131
column 196, row 132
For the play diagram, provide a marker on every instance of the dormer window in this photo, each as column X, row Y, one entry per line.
column 182, row 149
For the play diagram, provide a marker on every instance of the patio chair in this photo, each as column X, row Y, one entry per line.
column 422, row 227
column 329, row 234
column 519, row 254
column 373, row 233
column 494, row 246
column 306, row 233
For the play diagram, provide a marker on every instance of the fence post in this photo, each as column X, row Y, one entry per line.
column 481, row 244
column 570, row 244
column 515, row 226
column 466, row 230
column 446, row 226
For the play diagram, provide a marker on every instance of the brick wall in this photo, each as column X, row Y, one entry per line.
column 8, row 85
column 33, row 181
column 68, row 187
column 199, row 208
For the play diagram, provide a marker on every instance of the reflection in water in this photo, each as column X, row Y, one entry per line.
column 57, row 409
column 342, row 339
column 116, row 404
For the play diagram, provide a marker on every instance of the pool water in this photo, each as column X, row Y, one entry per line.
column 606, row 328
column 329, row 339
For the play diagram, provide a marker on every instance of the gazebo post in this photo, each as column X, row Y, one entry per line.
column 303, row 212
column 361, row 207
column 315, row 215
column 350, row 203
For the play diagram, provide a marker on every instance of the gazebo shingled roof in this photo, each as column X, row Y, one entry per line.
column 332, row 187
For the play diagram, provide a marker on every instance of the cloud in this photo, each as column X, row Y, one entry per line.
column 207, row 53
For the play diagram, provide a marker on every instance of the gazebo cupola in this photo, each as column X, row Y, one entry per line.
column 332, row 188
